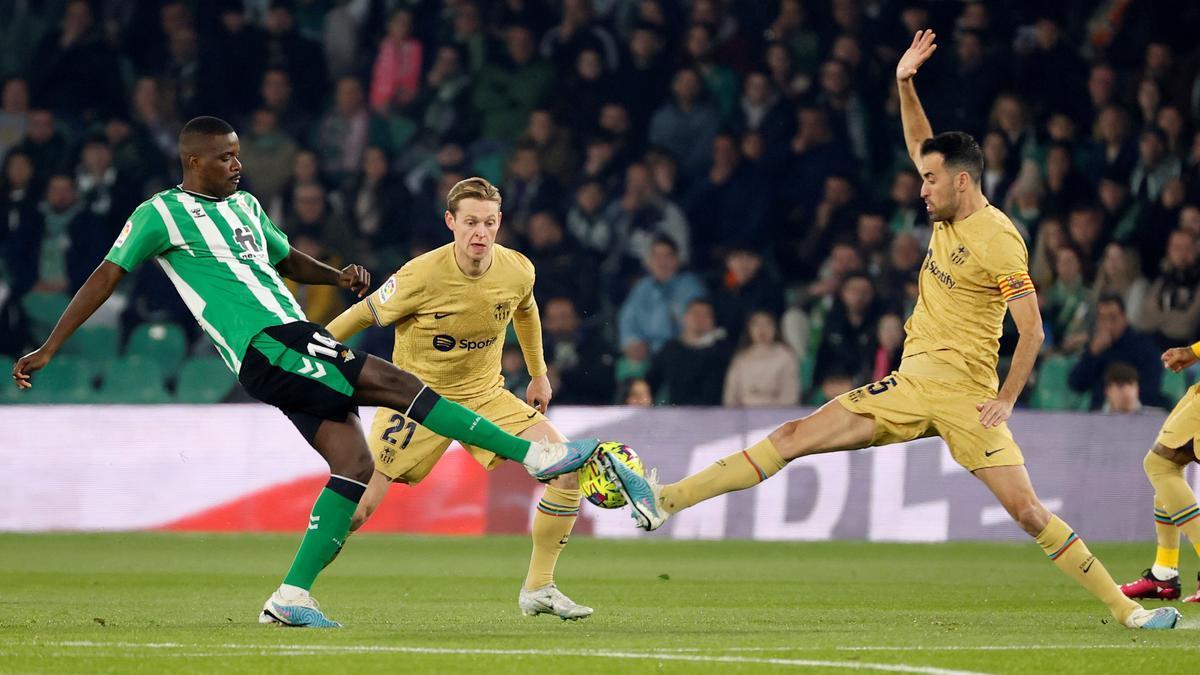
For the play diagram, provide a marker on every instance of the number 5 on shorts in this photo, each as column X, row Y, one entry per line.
column 882, row 385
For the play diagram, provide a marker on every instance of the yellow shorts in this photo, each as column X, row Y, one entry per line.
column 406, row 451
column 908, row 407
column 1183, row 424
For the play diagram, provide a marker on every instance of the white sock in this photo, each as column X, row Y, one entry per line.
column 1164, row 573
column 289, row 592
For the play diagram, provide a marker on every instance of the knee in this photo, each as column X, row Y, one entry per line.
column 1031, row 516
column 1160, row 462
column 359, row 468
column 791, row 439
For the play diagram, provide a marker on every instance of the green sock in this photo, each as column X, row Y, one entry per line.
column 450, row 419
column 327, row 529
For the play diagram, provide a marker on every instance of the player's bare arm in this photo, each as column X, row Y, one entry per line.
column 301, row 267
column 912, row 115
column 1025, row 314
column 98, row 287
column 1178, row 358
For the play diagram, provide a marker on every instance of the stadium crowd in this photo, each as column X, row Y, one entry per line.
column 715, row 194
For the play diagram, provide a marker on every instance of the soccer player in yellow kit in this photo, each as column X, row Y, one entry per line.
column 946, row 386
column 451, row 308
column 1175, row 507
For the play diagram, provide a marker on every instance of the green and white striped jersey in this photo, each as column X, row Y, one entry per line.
column 221, row 256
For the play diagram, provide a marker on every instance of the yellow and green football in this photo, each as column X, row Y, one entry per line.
column 595, row 485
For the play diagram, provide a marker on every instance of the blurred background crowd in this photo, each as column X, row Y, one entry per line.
column 715, row 193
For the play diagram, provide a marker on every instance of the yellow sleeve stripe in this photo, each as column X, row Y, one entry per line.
column 1196, row 349
column 1015, row 286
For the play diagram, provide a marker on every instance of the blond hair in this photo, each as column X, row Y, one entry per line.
column 471, row 188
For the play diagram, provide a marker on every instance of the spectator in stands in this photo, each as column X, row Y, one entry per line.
column 576, row 33
column 848, row 336
column 527, row 189
column 834, row 216
column 552, row 141
column 1009, row 117
column 74, row 72
column 509, row 88
column 580, row 360
column 299, row 56
column 813, row 155
column 104, row 190
column 44, row 145
column 1048, row 70
column 1121, row 393
column 762, row 109
column 232, row 60
column 639, row 216
column 312, row 218
column 687, row 124
column 1065, row 303
column 729, row 203
column 378, row 207
column 559, row 264
column 1064, row 186
column 1120, row 274
column 584, row 91
column 1113, row 340
column 1171, row 312
column 889, row 346
column 744, row 287
column 871, row 238
column 644, row 75
column 792, row 32
column 1122, row 213
column 1154, row 168
column 396, row 75
column 764, row 371
column 21, row 232
column 267, row 155
column 74, row 237
column 690, row 368
column 1102, row 91
column 1085, row 229
column 906, row 211
column 897, row 281
column 277, row 96
column 14, row 107
column 635, row 391
column 998, row 175
column 720, row 82
column 345, row 131
column 585, row 219
column 651, row 314
column 1051, row 235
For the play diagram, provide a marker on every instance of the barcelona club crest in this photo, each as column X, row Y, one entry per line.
column 960, row 255
column 502, row 311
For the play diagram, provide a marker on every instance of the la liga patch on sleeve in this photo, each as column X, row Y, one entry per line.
column 387, row 290
column 124, row 234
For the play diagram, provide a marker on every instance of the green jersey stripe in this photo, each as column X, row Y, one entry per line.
column 282, row 295
column 255, row 222
column 217, row 243
column 196, row 305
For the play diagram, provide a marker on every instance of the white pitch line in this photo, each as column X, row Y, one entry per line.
column 917, row 648
column 309, row 650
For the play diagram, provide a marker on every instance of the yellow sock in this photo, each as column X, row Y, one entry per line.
column 1069, row 554
column 736, row 472
column 1178, row 500
column 552, row 525
column 1167, row 554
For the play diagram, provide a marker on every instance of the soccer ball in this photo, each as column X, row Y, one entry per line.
column 595, row 486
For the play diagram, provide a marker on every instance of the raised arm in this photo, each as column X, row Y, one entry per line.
column 98, row 287
column 912, row 115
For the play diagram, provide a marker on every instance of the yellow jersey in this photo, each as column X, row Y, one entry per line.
column 974, row 267
column 450, row 327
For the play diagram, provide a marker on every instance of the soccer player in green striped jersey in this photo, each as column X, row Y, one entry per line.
column 227, row 261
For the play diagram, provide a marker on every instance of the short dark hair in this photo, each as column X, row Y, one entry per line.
column 1119, row 372
column 664, row 240
column 1112, row 298
column 205, row 126
column 959, row 150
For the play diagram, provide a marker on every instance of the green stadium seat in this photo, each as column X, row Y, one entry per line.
column 1052, row 391
column 204, row 380
column 162, row 342
column 43, row 310
column 66, row 379
column 96, row 343
column 133, row 379
column 1174, row 385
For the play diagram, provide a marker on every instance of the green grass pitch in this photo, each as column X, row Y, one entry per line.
column 187, row 603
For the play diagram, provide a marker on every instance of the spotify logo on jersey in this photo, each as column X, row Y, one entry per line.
column 443, row 343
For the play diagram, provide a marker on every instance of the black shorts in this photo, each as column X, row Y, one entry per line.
column 299, row 368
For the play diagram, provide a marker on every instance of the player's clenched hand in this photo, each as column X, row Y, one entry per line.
column 33, row 361
column 356, row 278
column 918, row 52
column 1178, row 358
column 538, row 393
column 994, row 413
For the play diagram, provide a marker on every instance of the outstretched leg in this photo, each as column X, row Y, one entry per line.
column 1065, row 549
